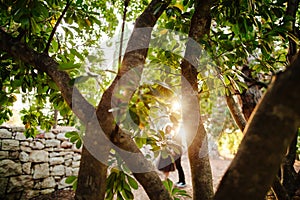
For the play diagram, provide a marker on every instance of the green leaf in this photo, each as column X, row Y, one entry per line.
column 79, row 2
column 70, row 134
column 132, row 182
column 78, row 143
column 125, row 186
column 127, row 194
column 73, row 139
column 109, row 195
column 70, row 179
column 110, row 181
column 226, row 80
column 76, row 53
column 75, row 185
column 69, row 66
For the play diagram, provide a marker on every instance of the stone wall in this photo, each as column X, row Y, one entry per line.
column 30, row 167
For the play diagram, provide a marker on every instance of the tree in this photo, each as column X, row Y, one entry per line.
column 249, row 99
column 33, row 59
column 275, row 109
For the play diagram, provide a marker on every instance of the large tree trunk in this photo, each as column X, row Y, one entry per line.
column 127, row 80
column 288, row 173
column 92, row 185
column 198, row 150
column 267, row 137
column 250, row 98
column 95, row 141
column 93, row 165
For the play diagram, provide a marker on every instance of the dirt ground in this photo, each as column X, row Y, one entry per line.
column 218, row 165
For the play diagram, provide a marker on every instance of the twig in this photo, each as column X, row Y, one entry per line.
column 122, row 32
column 56, row 25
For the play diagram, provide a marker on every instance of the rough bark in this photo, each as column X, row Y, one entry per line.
column 267, row 137
column 252, row 95
column 249, row 100
column 236, row 112
column 278, row 190
column 80, row 107
column 197, row 151
column 94, row 183
column 288, row 173
column 127, row 81
column 135, row 55
column 291, row 11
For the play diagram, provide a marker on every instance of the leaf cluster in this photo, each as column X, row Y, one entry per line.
column 75, row 138
column 175, row 192
column 120, row 184
column 248, row 32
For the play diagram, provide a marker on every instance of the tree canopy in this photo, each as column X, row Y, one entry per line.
column 116, row 68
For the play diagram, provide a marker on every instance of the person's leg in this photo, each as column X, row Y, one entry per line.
column 166, row 175
column 180, row 171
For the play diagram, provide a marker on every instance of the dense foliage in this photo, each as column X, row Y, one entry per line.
column 79, row 35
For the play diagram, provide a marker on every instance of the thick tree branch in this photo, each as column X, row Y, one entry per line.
column 80, row 107
column 233, row 105
column 236, row 112
column 291, row 11
column 127, row 81
column 56, row 25
column 267, row 137
column 44, row 63
column 193, row 125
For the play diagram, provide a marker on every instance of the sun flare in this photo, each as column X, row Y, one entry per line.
column 176, row 106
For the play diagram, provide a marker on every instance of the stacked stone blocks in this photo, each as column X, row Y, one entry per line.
column 31, row 167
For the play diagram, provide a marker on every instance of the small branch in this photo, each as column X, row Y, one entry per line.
column 236, row 112
column 279, row 190
column 252, row 80
column 56, row 25
column 291, row 11
column 122, row 32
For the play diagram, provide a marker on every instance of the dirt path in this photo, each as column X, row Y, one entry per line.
column 218, row 166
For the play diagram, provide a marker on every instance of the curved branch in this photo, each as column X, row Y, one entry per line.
column 267, row 137
column 44, row 63
column 236, row 112
column 134, row 59
column 199, row 28
column 56, row 25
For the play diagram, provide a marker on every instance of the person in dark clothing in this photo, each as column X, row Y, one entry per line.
column 166, row 161
column 181, row 176
column 169, row 162
column 177, row 146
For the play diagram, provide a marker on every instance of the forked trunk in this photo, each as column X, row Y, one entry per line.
column 267, row 137
column 193, row 125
